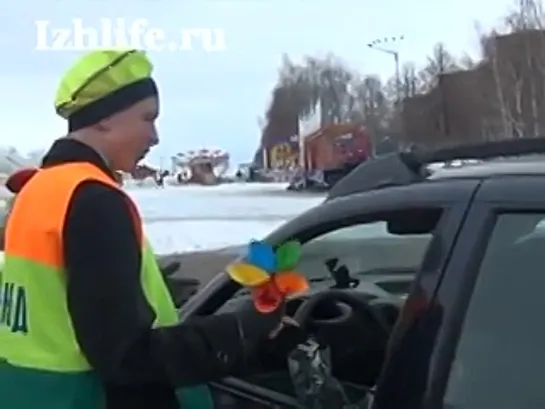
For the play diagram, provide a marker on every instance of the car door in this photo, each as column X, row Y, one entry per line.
column 488, row 352
column 319, row 227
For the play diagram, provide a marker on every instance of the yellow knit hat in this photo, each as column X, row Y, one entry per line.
column 103, row 82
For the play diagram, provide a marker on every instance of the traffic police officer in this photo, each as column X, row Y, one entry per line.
column 86, row 320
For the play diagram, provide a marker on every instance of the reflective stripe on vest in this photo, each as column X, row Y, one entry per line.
column 35, row 326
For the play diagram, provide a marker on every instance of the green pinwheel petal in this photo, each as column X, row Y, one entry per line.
column 288, row 255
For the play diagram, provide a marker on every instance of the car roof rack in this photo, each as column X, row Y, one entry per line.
column 405, row 168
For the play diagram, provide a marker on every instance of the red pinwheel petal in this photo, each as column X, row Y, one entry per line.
column 267, row 298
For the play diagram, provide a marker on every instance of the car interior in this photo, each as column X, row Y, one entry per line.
column 351, row 306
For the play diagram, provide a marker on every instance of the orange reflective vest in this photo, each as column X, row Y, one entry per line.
column 41, row 363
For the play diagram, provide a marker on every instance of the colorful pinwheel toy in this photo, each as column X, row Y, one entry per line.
column 268, row 274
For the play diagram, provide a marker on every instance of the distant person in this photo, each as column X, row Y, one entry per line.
column 252, row 174
column 160, row 179
column 179, row 178
column 90, row 322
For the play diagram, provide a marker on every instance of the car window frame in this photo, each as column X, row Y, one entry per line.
column 452, row 196
column 361, row 221
column 367, row 220
column 496, row 196
column 247, row 389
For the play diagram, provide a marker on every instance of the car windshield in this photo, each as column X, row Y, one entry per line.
column 364, row 249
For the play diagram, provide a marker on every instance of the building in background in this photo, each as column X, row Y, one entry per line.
column 502, row 96
column 336, row 145
column 283, row 155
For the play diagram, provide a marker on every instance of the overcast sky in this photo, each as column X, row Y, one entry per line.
column 214, row 99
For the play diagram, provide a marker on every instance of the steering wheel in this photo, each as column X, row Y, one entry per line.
column 346, row 299
column 342, row 358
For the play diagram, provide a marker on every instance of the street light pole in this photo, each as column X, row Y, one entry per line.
column 378, row 46
column 398, row 80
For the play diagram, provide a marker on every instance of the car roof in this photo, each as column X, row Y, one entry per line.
column 504, row 157
column 497, row 167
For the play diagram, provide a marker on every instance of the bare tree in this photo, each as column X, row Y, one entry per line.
column 532, row 19
column 440, row 62
column 300, row 87
column 318, row 79
column 516, row 58
column 466, row 62
column 525, row 15
column 372, row 104
column 527, row 20
column 411, row 84
column 500, row 94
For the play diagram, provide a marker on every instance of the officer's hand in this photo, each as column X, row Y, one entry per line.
column 257, row 326
column 281, row 342
column 271, row 331
column 286, row 321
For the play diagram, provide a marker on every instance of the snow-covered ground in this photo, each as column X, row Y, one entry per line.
column 194, row 218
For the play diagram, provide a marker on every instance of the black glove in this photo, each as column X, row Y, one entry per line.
column 272, row 351
column 255, row 326
column 262, row 351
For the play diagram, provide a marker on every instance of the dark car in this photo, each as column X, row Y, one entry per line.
column 452, row 263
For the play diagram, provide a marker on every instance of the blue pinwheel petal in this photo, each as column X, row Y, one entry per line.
column 261, row 255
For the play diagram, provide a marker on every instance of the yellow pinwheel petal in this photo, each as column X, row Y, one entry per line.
column 247, row 274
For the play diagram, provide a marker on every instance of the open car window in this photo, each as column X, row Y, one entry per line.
column 373, row 246
column 382, row 245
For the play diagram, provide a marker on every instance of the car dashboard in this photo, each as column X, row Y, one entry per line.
column 356, row 345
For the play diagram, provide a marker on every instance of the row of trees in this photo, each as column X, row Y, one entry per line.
column 503, row 97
